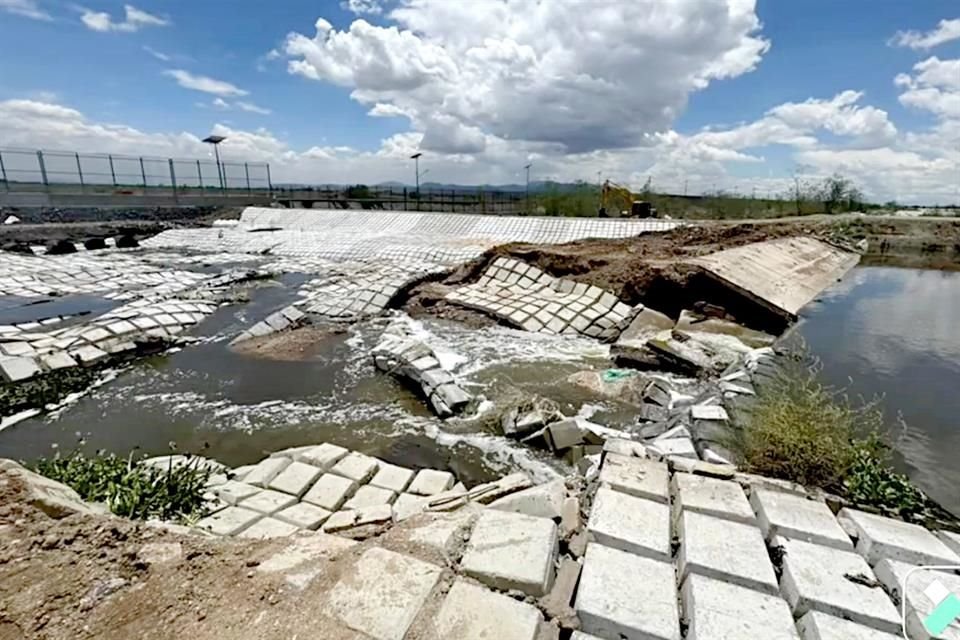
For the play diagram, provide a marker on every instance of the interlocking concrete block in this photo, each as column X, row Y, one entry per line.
column 407, row 506
column 268, row 501
column 835, row 582
column 368, row 496
column 233, row 492
column 324, row 456
column 543, row 501
column 383, row 593
column 347, row 519
column 636, row 476
column 330, row 491
column 710, row 496
column 879, row 538
column 819, row 626
column 442, row 532
column 268, row 527
column 512, row 551
column 296, row 479
column 229, row 521
column 473, row 612
column 729, row 551
column 919, row 588
column 303, row 515
column 390, row 476
column 630, row 524
column 89, row 355
column 58, row 360
column 673, row 447
column 715, row 609
column 15, row 369
column 357, row 467
column 580, row 635
column 626, row 596
column 430, row 482
column 950, row 539
column 265, row 471
column 795, row 517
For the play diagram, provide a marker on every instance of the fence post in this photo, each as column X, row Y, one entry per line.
column 113, row 174
column 79, row 169
column 405, row 199
column 200, row 176
column 43, row 168
column 143, row 173
column 269, row 181
column 173, row 180
column 246, row 170
column 3, row 172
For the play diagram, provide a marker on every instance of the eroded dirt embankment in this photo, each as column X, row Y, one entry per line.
column 650, row 268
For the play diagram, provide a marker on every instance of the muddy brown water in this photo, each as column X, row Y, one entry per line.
column 895, row 333
column 239, row 407
column 880, row 331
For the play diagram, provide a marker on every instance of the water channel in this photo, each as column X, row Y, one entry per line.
column 885, row 331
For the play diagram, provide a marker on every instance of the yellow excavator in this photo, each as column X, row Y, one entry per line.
column 617, row 201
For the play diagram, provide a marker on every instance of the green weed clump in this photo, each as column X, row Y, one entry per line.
column 130, row 488
column 801, row 431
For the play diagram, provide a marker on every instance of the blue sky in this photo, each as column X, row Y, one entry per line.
column 573, row 99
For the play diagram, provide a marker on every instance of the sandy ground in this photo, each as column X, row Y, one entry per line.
column 296, row 345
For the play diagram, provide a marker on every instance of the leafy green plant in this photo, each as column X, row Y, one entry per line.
column 870, row 481
column 131, row 488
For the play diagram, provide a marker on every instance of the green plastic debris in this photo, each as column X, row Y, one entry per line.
column 616, row 375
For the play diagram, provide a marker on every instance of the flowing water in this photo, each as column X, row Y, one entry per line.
column 882, row 330
column 896, row 333
column 237, row 407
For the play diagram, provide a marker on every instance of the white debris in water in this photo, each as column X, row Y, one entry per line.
column 18, row 417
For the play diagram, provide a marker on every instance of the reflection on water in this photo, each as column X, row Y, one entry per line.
column 896, row 333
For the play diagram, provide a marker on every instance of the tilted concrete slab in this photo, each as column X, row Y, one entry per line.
column 635, row 525
column 638, row 477
column 820, row 626
column 717, row 610
column 383, row 593
column 729, row 551
column 839, row 583
column 473, row 612
column 783, row 274
column 625, row 596
column 879, row 538
column 711, row 496
column 512, row 551
column 787, row 514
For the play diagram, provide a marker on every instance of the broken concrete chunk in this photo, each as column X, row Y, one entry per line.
column 15, row 369
column 692, row 322
column 543, row 501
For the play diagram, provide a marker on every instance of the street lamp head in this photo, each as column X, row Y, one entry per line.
column 416, row 155
column 528, row 166
column 214, row 139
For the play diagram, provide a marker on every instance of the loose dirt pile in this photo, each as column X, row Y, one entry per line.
column 296, row 345
column 103, row 577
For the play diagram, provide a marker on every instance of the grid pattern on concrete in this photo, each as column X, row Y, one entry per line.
column 528, row 298
column 725, row 576
column 331, row 489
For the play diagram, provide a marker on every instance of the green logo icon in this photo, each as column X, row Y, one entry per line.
column 946, row 608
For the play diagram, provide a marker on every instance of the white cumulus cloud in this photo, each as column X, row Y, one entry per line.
column 359, row 7
column 535, row 71
column 188, row 80
column 134, row 20
column 946, row 31
column 934, row 87
column 25, row 8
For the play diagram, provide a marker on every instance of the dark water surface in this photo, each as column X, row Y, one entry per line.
column 896, row 333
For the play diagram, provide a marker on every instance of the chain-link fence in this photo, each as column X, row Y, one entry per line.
column 19, row 166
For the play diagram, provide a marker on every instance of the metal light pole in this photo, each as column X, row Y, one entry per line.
column 416, row 168
column 528, row 186
column 215, row 141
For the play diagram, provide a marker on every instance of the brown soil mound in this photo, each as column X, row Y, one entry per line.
column 303, row 343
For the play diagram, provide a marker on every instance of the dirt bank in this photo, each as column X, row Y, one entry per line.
column 649, row 268
column 296, row 345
